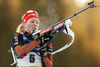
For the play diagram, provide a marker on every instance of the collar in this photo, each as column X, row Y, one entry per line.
column 28, row 35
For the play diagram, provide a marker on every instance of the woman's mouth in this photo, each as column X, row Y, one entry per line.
column 34, row 28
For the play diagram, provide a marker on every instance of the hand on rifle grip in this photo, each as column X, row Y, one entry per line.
column 46, row 37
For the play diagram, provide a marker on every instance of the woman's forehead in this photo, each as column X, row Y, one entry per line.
column 32, row 19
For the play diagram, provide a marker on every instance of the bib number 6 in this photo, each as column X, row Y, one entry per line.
column 32, row 58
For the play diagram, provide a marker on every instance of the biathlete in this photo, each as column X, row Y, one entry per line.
column 26, row 48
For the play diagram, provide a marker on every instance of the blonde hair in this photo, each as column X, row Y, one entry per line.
column 20, row 28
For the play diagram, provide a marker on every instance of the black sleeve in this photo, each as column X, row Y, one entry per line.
column 17, row 39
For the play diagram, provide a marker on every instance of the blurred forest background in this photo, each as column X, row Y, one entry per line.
column 84, row 52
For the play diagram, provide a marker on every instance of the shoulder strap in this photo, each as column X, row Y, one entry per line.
column 25, row 38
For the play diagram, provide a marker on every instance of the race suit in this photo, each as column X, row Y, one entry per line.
column 27, row 53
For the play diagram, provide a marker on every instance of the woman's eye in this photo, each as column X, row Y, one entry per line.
column 37, row 22
column 32, row 22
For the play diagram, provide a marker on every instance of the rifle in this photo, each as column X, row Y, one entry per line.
column 59, row 27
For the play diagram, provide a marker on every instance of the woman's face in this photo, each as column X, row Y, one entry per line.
column 30, row 24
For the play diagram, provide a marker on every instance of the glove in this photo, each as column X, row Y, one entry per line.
column 46, row 37
column 43, row 52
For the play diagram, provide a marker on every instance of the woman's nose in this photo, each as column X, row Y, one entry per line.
column 35, row 23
